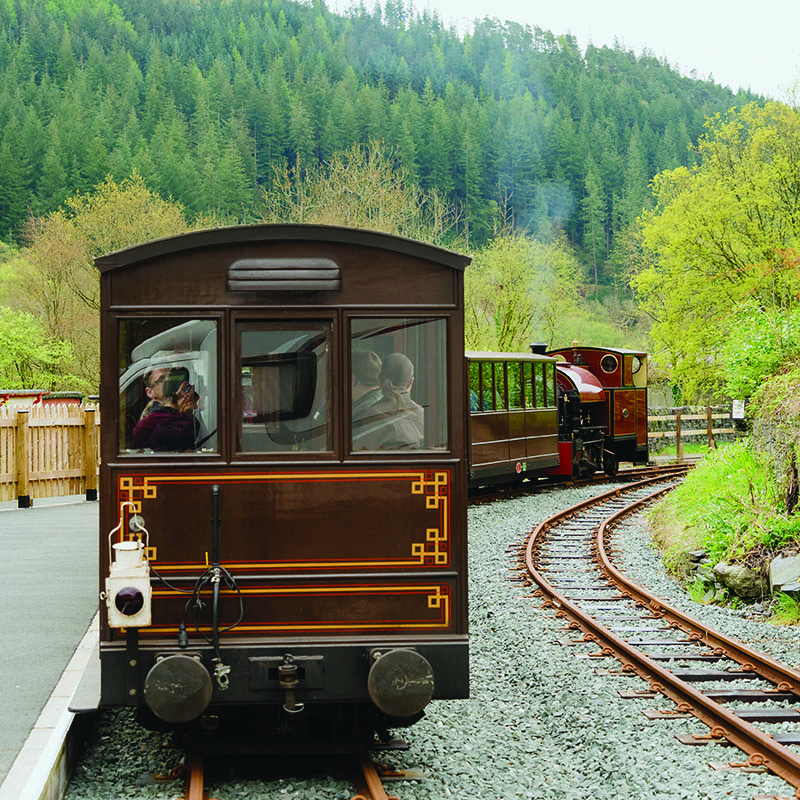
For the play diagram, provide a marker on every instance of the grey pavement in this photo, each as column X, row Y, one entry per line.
column 48, row 599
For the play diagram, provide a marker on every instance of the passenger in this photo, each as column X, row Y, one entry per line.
column 154, row 389
column 366, row 382
column 170, row 424
column 395, row 422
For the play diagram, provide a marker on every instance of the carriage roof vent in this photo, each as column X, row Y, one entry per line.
column 284, row 275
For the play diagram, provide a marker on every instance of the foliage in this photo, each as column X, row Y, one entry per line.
column 775, row 423
column 514, row 287
column 204, row 99
column 361, row 187
column 786, row 610
column 28, row 357
column 725, row 234
column 54, row 278
column 760, row 343
column 728, row 506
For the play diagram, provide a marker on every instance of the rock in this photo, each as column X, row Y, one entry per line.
column 741, row 581
column 784, row 570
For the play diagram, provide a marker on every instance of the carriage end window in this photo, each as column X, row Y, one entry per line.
column 398, row 391
column 284, row 387
column 167, row 385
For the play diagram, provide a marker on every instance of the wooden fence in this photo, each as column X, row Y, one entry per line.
column 48, row 451
column 680, row 425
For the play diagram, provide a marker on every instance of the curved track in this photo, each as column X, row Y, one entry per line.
column 568, row 558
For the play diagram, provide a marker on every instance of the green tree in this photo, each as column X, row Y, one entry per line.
column 362, row 188
column 29, row 358
column 723, row 232
column 517, row 287
column 58, row 282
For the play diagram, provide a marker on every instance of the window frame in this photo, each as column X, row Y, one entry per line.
column 117, row 319
column 345, row 415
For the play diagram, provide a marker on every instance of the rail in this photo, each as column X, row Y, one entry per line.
column 557, row 558
column 48, row 451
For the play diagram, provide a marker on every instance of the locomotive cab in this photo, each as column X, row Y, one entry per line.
column 287, row 465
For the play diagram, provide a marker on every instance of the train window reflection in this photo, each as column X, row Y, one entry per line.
column 398, row 395
column 284, row 387
column 167, row 385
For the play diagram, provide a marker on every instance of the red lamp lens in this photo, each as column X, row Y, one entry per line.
column 129, row 601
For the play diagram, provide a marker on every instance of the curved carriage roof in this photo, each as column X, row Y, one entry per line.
column 244, row 234
column 477, row 355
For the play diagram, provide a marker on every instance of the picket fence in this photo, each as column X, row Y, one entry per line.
column 48, row 451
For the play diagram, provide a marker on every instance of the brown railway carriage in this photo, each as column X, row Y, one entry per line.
column 513, row 416
column 291, row 553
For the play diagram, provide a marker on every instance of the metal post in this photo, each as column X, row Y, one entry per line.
column 678, row 442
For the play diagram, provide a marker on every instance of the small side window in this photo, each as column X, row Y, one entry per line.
column 515, row 383
column 500, row 384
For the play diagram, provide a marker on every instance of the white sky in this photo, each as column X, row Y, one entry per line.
column 752, row 45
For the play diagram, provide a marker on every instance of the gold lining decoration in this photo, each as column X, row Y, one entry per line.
column 432, row 485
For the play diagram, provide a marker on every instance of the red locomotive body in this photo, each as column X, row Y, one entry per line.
column 286, row 481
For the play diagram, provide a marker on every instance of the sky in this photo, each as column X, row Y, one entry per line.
column 740, row 44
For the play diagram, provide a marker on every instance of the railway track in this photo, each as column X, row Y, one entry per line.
column 569, row 557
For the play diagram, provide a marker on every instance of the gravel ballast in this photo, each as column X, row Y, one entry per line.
column 540, row 722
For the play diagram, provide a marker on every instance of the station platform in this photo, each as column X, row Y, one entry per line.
column 49, row 602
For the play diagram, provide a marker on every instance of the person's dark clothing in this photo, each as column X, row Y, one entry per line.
column 166, row 428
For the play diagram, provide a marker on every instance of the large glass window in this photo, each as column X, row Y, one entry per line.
column 285, row 390
column 167, row 385
column 398, row 383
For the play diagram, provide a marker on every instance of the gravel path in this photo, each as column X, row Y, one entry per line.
column 541, row 723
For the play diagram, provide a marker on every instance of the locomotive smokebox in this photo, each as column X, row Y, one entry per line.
column 400, row 682
column 178, row 688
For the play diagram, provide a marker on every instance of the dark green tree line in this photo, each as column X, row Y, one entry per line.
column 206, row 100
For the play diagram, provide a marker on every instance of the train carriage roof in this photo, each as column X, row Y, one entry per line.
column 476, row 355
column 249, row 234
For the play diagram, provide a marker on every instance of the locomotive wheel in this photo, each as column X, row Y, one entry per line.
column 610, row 464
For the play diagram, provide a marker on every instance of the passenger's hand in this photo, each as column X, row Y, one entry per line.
column 187, row 397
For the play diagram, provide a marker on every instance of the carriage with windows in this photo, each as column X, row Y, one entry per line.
column 283, row 560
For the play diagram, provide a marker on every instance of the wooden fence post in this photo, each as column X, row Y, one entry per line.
column 678, row 442
column 90, row 452
column 712, row 444
column 22, row 461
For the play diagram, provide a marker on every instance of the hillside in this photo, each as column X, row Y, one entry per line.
column 203, row 98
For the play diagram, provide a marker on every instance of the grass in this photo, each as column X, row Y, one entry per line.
column 786, row 610
column 689, row 449
column 727, row 506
